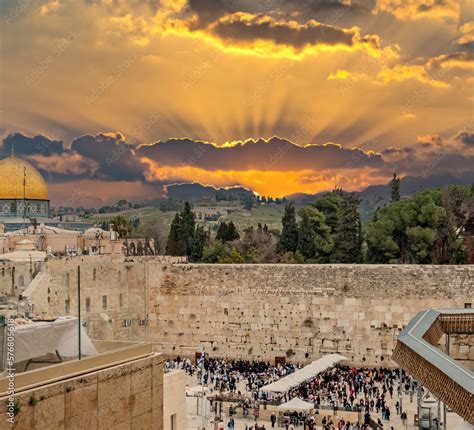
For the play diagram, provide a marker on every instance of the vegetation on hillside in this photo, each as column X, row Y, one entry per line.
column 431, row 227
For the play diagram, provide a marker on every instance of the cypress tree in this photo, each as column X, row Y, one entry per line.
column 222, row 232
column 289, row 235
column 175, row 245
column 306, row 237
column 348, row 237
column 395, row 189
column 188, row 224
column 198, row 241
column 232, row 233
column 181, row 232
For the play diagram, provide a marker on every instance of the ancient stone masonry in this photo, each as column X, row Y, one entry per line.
column 255, row 311
column 126, row 396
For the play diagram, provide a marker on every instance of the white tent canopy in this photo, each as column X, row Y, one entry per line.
column 296, row 404
column 308, row 372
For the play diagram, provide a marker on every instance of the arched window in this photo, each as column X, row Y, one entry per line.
column 21, row 281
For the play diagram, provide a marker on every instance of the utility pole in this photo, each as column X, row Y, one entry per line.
column 203, row 406
column 79, row 312
column 24, row 194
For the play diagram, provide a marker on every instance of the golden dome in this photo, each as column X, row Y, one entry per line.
column 13, row 171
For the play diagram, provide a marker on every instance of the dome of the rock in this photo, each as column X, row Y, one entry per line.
column 23, row 191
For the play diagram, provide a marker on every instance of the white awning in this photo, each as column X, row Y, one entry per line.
column 296, row 404
column 308, row 372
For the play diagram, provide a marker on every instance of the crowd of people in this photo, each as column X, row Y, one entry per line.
column 224, row 376
column 349, row 389
column 365, row 390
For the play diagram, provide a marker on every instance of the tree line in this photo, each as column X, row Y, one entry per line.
column 433, row 226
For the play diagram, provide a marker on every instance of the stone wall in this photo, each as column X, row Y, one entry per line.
column 127, row 396
column 174, row 401
column 15, row 277
column 256, row 311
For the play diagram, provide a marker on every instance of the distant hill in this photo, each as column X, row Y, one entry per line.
column 196, row 191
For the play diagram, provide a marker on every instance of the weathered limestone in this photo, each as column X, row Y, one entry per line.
column 174, row 402
column 255, row 311
column 127, row 396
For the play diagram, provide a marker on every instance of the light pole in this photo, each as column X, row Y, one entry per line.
column 203, row 406
column 400, row 391
column 79, row 312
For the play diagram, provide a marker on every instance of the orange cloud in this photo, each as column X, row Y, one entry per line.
column 403, row 73
column 274, row 183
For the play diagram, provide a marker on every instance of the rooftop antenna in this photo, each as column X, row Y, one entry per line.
column 24, row 193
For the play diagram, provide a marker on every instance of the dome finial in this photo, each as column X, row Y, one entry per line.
column 13, row 149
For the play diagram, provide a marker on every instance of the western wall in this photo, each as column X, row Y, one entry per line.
column 299, row 312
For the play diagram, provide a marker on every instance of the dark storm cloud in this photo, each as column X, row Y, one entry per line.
column 433, row 154
column 24, row 145
column 114, row 156
column 326, row 11
column 104, row 156
column 209, row 10
column 283, row 22
column 282, row 33
column 273, row 154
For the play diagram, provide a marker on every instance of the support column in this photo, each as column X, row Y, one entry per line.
column 446, row 350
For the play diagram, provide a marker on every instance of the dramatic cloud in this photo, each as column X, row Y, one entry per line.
column 444, row 10
column 38, row 145
column 116, row 159
column 242, row 27
column 271, row 167
column 390, row 77
column 261, row 154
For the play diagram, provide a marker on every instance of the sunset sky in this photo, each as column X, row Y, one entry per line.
column 113, row 99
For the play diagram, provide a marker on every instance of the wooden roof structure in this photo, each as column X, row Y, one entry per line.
column 417, row 353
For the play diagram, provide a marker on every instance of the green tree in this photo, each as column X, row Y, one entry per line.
column 348, row 234
column 321, row 231
column 176, row 245
column 306, row 238
column 188, row 225
column 289, row 235
column 222, row 232
column 406, row 231
column 328, row 204
column 198, row 242
column 215, row 252
column 182, row 231
column 395, row 188
column 232, row 233
column 233, row 258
